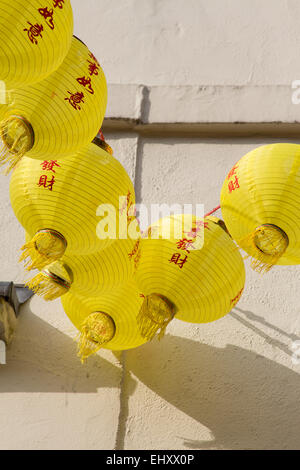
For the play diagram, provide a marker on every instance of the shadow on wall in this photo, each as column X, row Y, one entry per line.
column 247, row 315
column 42, row 359
column 245, row 400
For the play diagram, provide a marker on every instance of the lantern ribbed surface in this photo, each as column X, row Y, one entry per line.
column 260, row 205
column 122, row 305
column 35, row 36
column 199, row 274
column 64, row 198
column 90, row 275
column 63, row 112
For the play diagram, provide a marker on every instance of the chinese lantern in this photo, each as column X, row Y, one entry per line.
column 195, row 274
column 90, row 275
column 60, row 114
column 107, row 321
column 260, row 205
column 75, row 206
column 34, row 39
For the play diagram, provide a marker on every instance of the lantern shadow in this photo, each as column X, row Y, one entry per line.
column 258, row 319
column 43, row 359
column 244, row 399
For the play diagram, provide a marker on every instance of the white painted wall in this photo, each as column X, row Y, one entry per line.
column 193, row 42
column 231, row 384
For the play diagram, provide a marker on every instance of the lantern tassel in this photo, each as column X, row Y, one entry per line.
column 86, row 347
column 264, row 246
column 96, row 330
column 48, row 286
column 17, row 139
column 154, row 316
column 10, row 158
column 45, row 247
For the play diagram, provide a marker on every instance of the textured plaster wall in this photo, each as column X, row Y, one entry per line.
column 230, row 384
column 193, row 42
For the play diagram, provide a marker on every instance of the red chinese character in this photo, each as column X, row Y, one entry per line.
column 185, row 244
column 75, row 99
column 232, row 172
column 197, row 227
column 45, row 183
column 127, row 204
column 232, row 185
column 135, row 250
column 49, row 165
column 58, row 3
column 94, row 59
column 93, row 68
column 137, row 259
column 87, row 83
column 48, row 15
column 34, row 31
column 177, row 260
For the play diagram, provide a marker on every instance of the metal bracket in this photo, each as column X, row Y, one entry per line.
column 15, row 294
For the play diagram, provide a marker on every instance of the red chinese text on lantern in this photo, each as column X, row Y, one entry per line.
column 196, row 228
column 58, row 3
column 94, row 59
column 232, row 171
column 137, row 259
column 75, row 99
column 176, row 259
column 93, row 68
column 49, row 165
column 48, row 15
column 185, row 245
column 135, row 250
column 87, row 83
column 136, row 254
column 47, row 184
column 34, row 32
column 128, row 204
column 233, row 179
column 233, row 184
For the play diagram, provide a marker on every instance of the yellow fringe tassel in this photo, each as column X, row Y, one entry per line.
column 97, row 329
column 265, row 246
column 17, row 139
column 155, row 314
column 45, row 247
column 48, row 285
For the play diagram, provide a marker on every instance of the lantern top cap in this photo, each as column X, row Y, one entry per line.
column 271, row 240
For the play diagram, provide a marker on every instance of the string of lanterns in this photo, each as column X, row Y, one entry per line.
column 120, row 293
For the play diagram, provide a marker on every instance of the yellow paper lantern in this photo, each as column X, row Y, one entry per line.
column 66, row 205
column 35, row 37
column 260, row 205
column 107, row 321
column 90, row 275
column 195, row 274
column 59, row 115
